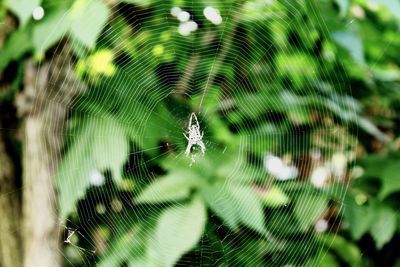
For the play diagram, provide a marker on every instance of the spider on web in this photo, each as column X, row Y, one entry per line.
column 195, row 138
column 71, row 233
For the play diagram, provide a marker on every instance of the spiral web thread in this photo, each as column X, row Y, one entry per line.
column 194, row 80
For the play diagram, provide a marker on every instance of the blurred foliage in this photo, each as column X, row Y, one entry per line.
column 314, row 82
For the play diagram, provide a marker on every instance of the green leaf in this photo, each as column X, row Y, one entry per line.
column 370, row 128
column 236, row 204
column 50, row 29
column 352, row 43
column 174, row 186
column 101, row 144
column 358, row 217
column 392, row 5
column 346, row 250
column 143, row 3
column 178, row 230
column 277, row 218
column 324, row 260
column 274, row 197
column 384, row 167
column 384, row 224
column 87, row 20
column 308, row 209
column 119, row 251
column 248, row 207
column 128, row 242
column 222, row 204
column 343, row 7
column 18, row 43
column 23, row 8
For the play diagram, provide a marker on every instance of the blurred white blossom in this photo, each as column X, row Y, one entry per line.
column 320, row 176
column 338, row 164
column 276, row 167
column 175, row 11
column 212, row 15
column 38, row 13
column 321, row 226
column 192, row 25
column 183, row 16
column 185, row 28
column 96, row 178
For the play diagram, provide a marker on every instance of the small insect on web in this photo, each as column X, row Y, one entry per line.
column 195, row 138
column 71, row 233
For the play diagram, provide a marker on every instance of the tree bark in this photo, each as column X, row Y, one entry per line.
column 10, row 193
column 49, row 89
column 10, row 210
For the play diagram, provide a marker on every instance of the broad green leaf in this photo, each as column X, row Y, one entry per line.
column 277, row 218
column 383, row 225
column 50, row 29
column 161, row 124
column 143, row 3
column 358, row 217
column 23, row 8
column 248, row 207
column 392, row 5
column 130, row 246
column 128, row 242
column 178, row 230
column 346, row 250
column 352, row 43
column 343, row 7
column 221, row 202
column 174, row 186
column 18, row 43
column 298, row 66
column 253, row 251
column 274, row 197
column 87, row 20
column 324, row 260
column 101, row 144
column 390, row 179
column 236, row 204
column 370, row 128
column 308, row 209
column 384, row 167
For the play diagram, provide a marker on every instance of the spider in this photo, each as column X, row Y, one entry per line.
column 195, row 138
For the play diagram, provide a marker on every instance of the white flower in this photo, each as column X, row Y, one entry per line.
column 185, row 28
column 279, row 169
column 192, row 25
column 183, row 16
column 38, row 13
column 96, row 178
column 339, row 164
column 320, row 176
column 212, row 15
column 321, row 226
column 175, row 11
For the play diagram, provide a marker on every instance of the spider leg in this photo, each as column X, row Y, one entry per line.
column 202, row 133
column 185, row 136
column 188, row 148
column 190, row 120
column 202, row 146
column 197, row 122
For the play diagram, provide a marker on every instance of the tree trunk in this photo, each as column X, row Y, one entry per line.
column 10, row 210
column 49, row 88
column 10, row 193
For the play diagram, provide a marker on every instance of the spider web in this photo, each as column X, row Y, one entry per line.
column 158, row 82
